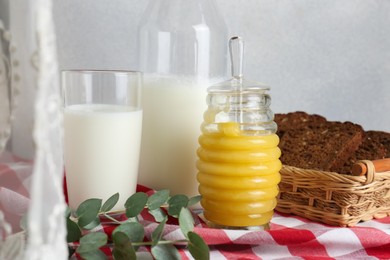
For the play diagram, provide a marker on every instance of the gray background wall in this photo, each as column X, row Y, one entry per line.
column 329, row 57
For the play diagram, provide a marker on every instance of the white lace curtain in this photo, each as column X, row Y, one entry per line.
column 5, row 78
column 28, row 63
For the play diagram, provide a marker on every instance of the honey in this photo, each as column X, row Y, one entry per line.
column 238, row 176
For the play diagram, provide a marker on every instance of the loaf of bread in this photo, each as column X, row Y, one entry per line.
column 311, row 142
column 370, row 149
column 295, row 120
column 325, row 146
column 381, row 137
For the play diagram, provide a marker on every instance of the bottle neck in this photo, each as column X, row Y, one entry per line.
column 186, row 38
column 183, row 13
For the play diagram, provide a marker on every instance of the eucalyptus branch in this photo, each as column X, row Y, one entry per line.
column 161, row 242
column 106, row 215
column 129, row 235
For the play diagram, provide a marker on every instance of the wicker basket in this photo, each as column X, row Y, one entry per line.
column 333, row 198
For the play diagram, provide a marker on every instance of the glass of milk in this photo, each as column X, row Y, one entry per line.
column 102, row 134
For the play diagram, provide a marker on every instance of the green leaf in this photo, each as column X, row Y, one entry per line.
column 120, row 239
column 134, row 230
column 74, row 232
column 110, row 203
column 88, row 211
column 135, row 204
column 186, row 221
column 194, row 200
column 123, row 250
column 157, row 199
column 165, row 252
column 94, row 255
column 93, row 224
column 176, row 203
column 198, row 247
column 23, row 222
column 91, row 242
column 67, row 212
column 158, row 214
column 158, row 232
column 126, row 253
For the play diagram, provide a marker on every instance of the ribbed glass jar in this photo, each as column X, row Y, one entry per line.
column 238, row 156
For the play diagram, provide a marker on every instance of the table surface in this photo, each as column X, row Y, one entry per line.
column 289, row 237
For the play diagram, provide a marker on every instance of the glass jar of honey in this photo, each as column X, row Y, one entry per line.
column 238, row 166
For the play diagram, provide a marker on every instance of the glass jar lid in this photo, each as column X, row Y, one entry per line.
column 237, row 84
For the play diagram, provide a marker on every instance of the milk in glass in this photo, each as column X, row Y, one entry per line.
column 102, row 144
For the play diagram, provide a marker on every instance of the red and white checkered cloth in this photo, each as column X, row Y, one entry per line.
column 290, row 237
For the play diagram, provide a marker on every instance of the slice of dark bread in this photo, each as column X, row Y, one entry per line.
column 382, row 137
column 323, row 146
column 294, row 120
column 370, row 149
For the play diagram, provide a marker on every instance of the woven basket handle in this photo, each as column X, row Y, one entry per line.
column 361, row 168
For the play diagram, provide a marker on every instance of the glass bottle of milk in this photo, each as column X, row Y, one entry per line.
column 182, row 48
